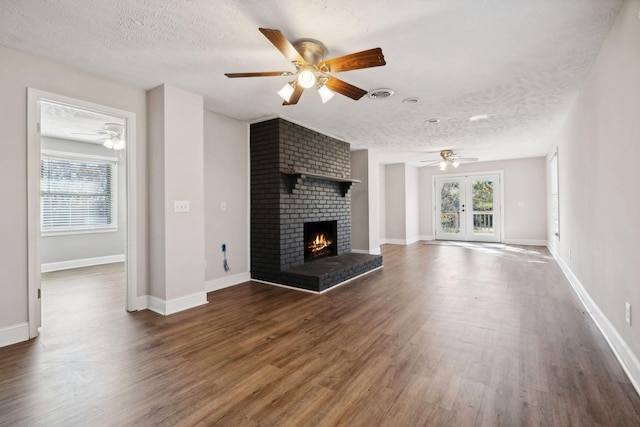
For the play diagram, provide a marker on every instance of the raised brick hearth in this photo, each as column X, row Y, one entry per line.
column 298, row 176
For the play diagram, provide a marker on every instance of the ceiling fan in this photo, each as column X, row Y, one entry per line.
column 448, row 157
column 112, row 134
column 307, row 55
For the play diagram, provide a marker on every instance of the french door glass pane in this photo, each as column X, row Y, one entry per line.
column 482, row 194
column 450, row 207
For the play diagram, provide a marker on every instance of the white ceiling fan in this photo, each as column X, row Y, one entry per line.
column 448, row 157
column 112, row 134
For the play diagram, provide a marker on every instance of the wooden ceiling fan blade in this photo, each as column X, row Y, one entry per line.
column 260, row 74
column 365, row 59
column 295, row 96
column 283, row 45
column 344, row 88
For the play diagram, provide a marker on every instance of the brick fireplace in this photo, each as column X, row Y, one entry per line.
column 298, row 177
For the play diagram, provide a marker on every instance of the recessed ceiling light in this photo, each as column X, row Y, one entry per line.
column 410, row 100
column 478, row 117
column 380, row 93
column 432, row 121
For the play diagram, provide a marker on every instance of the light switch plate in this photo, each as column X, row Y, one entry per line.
column 181, row 206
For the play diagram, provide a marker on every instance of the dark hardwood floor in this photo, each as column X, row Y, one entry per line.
column 442, row 336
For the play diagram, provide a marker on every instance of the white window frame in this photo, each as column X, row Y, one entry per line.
column 88, row 158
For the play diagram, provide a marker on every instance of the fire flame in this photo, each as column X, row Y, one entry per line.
column 319, row 243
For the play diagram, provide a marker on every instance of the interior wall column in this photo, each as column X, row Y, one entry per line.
column 176, row 199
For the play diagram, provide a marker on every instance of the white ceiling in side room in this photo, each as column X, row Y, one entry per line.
column 75, row 124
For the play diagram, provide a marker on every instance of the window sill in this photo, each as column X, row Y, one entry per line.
column 81, row 231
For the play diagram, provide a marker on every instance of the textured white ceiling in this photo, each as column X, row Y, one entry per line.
column 521, row 62
column 68, row 122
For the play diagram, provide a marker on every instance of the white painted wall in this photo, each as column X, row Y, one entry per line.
column 60, row 248
column 598, row 153
column 524, row 183
column 157, row 239
column 373, row 209
column 18, row 71
column 395, row 197
column 412, row 204
column 401, row 195
column 226, row 179
column 382, row 202
column 182, row 116
column 360, row 201
column 365, row 201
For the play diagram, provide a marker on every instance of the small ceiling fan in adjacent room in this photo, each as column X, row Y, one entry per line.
column 112, row 134
column 312, row 70
column 448, row 157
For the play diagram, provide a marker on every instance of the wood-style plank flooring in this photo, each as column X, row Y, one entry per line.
column 442, row 336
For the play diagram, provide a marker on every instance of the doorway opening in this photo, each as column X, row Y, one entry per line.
column 81, row 201
column 468, row 208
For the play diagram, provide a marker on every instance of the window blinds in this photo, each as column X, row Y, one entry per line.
column 77, row 194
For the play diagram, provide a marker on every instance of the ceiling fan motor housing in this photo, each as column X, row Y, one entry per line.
column 313, row 51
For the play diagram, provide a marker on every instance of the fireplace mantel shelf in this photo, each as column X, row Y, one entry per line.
column 298, row 175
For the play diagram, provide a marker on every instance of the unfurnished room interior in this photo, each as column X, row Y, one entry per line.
column 284, row 213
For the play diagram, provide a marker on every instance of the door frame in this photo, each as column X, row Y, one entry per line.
column 434, row 196
column 34, row 96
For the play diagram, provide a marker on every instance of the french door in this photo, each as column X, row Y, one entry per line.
column 468, row 208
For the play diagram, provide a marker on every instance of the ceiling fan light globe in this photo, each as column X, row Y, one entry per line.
column 455, row 164
column 118, row 144
column 306, row 79
column 286, row 92
column 325, row 93
column 108, row 143
column 443, row 165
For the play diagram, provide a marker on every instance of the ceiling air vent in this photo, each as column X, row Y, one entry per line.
column 380, row 93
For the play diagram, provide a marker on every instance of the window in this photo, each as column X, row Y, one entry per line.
column 555, row 202
column 77, row 193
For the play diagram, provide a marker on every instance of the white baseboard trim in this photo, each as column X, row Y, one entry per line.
column 227, row 281
column 14, row 334
column 627, row 359
column 77, row 263
column 166, row 308
column 375, row 251
column 426, row 238
column 403, row 242
column 525, row 242
column 413, row 239
column 395, row 242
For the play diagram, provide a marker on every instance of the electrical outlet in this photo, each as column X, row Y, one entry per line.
column 627, row 313
column 569, row 254
column 223, row 206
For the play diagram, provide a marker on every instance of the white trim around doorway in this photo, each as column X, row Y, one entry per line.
column 34, row 96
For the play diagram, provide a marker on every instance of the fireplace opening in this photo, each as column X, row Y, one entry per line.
column 320, row 239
